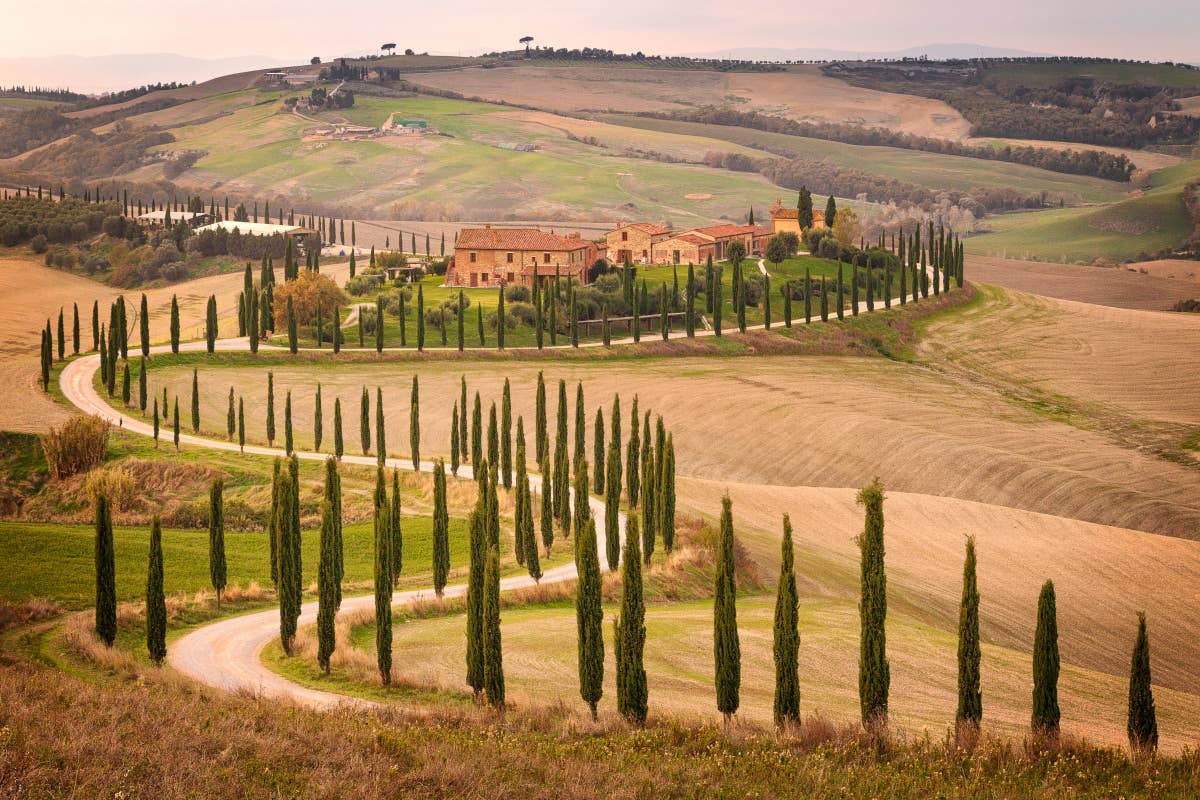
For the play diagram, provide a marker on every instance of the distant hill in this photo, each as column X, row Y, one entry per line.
column 933, row 51
column 98, row 74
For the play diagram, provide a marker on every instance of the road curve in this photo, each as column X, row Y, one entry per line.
column 227, row 654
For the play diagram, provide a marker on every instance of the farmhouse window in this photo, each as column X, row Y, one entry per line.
column 509, row 258
column 473, row 258
column 484, row 277
column 624, row 236
column 510, row 278
column 545, row 258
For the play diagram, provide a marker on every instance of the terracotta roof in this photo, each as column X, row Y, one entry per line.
column 794, row 213
column 691, row 238
column 726, row 231
column 646, row 227
column 516, row 239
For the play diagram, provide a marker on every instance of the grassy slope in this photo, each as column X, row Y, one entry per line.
column 1118, row 232
column 932, row 170
column 1048, row 74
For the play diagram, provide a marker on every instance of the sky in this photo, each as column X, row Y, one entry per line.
column 1157, row 30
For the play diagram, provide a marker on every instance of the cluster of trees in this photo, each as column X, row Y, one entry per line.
column 675, row 62
column 1096, row 163
column 37, row 219
column 319, row 98
column 43, row 93
column 124, row 95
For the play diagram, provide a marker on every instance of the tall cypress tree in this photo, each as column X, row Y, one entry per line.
column 216, row 538
column 462, row 310
column 666, row 495
column 289, row 442
column 787, row 636
column 493, row 656
column 106, row 587
column 318, row 421
column 1142, row 721
column 874, row 675
column 174, row 324
column 476, row 435
column 580, row 440
column 326, row 588
column 506, row 465
column 397, row 534
column 532, row 561
column 1046, row 714
column 540, row 422
column 970, row 698
column 441, row 530
column 589, row 617
column 547, row 518
column 291, row 327
column 156, row 606
column 175, row 423
column 364, row 421
column 462, row 417
column 414, row 423
column 727, row 651
column 477, row 549
column 420, row 316
column 380, row 433
column 649, row 499
column 633, row 478
column 493, row 437
column 241, row 423
column 288, row 553
column 455, row 455
column 270, row 408
column 598, row 457
column 612, row 506
column 383, row 584
column 195, row 400
column 629, row 632
column 562, row 469
column 143, row 389
column 230, row 417
column 210, row 324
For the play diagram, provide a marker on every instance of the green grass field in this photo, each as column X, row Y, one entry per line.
column 1118, row 232
column 932, row 170
column 1050, row 73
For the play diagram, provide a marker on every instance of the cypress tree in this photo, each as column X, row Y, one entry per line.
column 288, row 440
column 629, row 632
column 562, row 468
column 612, row 505
column 547, row 519
column 142, row 387
column 156, row 605
column 718, row 302
column 195, row 400
column 493, row 437
column 397, row 534
column 414, row 423
column 333, row 496
column 420, row 316
column 96, row 326
column 62, row 336
column 532, row 561
column 462, row 417
column 582, row 511
column 441, row 530
column 540, row 423
column 506, row 465
column 230, row 417
column 270, row 408
column 210, row 324
column 144, row 326
column 787, row 637
column 1046, row 714
column 666, row 495
column 874, row 676
column 291, row 327
column 75, row 328
column 216, row 538
column 383, row 587
column 156, row 423
column 290, row 572
column 379, row 323
column 970, row 698
column 477, row 549
column 106, row 587
column 175, row 423
column 631, row 457
column 476, row 436
column 462, row 309
column 364, row 421
column 649, row 484
column 841, row 292
column 318, row 421
column 253, row 329
column 690, row 316
column 273, row 522
column 615, row 428
column 45, row 364
column 380, row 435
column 125, row 384
column 455, row 456
column 727, row 650
column 1142, row 724
column 479, row 325
column 326, row 588
column 339, row 446
column 493, row 657
column 500, row 320
column 241, row 426
column 589, row 617
column 598, row 457
column 174, row 324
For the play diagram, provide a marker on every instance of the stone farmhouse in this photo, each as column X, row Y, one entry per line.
column 634, row 242
column 698, row 244
column 490, row 256
column 788, row 219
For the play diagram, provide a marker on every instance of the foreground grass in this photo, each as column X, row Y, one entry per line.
column 64, row 736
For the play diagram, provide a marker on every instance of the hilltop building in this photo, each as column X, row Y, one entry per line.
column 490, row 256
column 296, row 232
column 788, row 219
column 156, row 219
column 698, row 244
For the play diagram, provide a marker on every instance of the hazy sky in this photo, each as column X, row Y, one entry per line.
column 1149, row 29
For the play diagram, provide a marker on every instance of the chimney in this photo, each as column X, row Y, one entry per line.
column 487, row 225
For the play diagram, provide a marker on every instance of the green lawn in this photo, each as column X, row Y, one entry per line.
column 56, row 561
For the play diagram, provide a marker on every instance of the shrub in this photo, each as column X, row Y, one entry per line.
column 80, row 444
column 517, row 294
column 38, row 243
column 114, row 483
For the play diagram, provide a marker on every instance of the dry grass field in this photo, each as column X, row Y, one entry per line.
column 800, row 93
column 1160, row 286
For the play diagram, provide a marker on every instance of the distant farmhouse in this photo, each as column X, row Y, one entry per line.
column 157, row 219
column 788, row 219
column 634, row 242
column 490, row 256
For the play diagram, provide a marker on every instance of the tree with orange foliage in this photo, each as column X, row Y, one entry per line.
column 308, row 291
